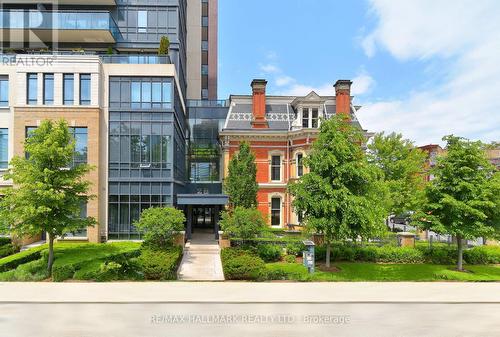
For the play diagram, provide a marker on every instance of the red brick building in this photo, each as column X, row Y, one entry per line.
column 280, row 130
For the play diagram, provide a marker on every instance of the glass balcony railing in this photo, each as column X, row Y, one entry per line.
column 136, row 59
column 59, row 21
column 200, row 103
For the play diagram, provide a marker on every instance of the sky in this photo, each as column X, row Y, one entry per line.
column 424, row 68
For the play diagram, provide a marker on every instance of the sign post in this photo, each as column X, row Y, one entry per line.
column 308, row 256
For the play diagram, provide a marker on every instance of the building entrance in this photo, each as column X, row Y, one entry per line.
column 203, row 218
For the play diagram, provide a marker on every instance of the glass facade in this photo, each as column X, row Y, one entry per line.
column 146, row 148
column 4, row 148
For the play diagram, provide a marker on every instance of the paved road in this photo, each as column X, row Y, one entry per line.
column 249, row 309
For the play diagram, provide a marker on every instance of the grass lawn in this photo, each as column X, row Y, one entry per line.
column 351, row 271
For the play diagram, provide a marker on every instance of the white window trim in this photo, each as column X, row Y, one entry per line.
column 297, row 163
column 309, row 119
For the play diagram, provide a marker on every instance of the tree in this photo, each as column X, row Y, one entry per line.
column 463, row 198
column 241, row 185
column 402, row 165
column 48, row 191
column 159, row 225
column 164, row 46
column 243, row 223
column 343, row 195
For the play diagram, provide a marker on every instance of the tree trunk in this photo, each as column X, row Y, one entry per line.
column 51, row 254
column 328, row 249
column 460, row 253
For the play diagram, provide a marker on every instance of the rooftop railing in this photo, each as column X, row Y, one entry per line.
column 136, row 59
column 200, row 103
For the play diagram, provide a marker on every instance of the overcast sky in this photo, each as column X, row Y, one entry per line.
column 425, row 68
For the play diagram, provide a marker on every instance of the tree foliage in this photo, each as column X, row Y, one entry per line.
column 463, row 199
column 243, row 223
column 240, row 184
column 48, row 191
column 159, row 225
column 402, row 165
column 164, row 46
column 343, row 195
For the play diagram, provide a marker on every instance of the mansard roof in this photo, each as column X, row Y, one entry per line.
column 281, row 111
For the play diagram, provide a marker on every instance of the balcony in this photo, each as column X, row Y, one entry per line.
column 136, row 59
column 58, row 26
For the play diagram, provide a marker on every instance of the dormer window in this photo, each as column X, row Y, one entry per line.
column 310, row 117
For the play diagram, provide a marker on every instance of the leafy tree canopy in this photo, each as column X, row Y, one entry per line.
column 402, row 165
column 240, row 184
column 159, row 225
column 244, row 223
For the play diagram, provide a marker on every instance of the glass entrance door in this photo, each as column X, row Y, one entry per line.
column 203, row 217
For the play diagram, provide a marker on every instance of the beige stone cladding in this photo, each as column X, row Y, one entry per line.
column 76, row 117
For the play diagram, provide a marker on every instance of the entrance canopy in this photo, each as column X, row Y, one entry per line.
column 202, row 199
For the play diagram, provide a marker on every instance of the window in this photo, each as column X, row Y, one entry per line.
column 314, row 118
column 68, row 89
column 142, row 21
column 204, row 45
column 48, row 89
column 300, row 165
column 147, row 95
column 305, row 117
column 81, row 149
column 275, row 168
column 84, row 89
column 4, row 148
column 204, row 69
column 4, row 90
column 204, row 93
column 276, row 212
column 300, row 217
column 31, row 89
column 82, row 233
column 204, row 21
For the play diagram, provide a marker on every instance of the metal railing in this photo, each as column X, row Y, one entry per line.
column 136, row 59
column 199, row 103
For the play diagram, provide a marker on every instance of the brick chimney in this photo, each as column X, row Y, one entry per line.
column 259, row 104
column 343, row 97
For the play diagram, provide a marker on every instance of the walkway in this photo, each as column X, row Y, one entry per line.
column 201, row 260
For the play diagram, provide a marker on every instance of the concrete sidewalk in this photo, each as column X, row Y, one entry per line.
column 227, row 309
column 201, row 260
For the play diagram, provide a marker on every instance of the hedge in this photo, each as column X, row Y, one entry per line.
column 240, row 264
column 420, row 254
column 12, row 261
column 160, row 264
column 5, row 241
column 7, row 250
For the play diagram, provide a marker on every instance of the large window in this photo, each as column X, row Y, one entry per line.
column 48, row 89
column 84, row 89
column 4, row 90
column 142, row 21
column 300, row 165
column 32, row 89
column 4, row 148
column 68, row 89
column 305, row 117
column 276, row 168
column 139, row 149
column 151, row 95
column 275, row 211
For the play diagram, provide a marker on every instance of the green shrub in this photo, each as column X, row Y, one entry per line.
column 240, row 264
column 243, row 223
column 5, row 241
column 160, row 264
column 391, row 254
column 159, row 225
column 290, row 259
column 30, row 271
column 7, row 249
column 269, row 253
column 441, row 254
column 482, row 255
column 12, row 261
column 62, row 272
column 366, row 254
column 295, row 248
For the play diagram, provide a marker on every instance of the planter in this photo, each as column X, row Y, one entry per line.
column 224, row 241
